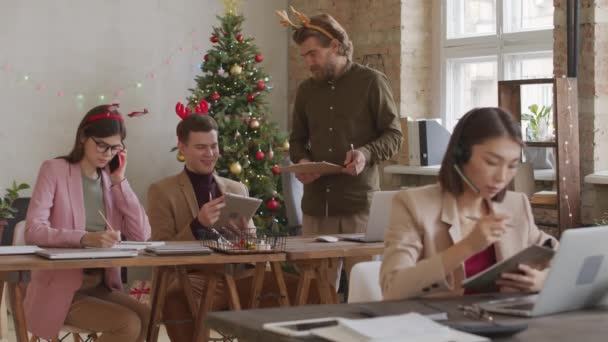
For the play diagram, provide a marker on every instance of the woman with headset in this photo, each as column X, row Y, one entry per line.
column 441, row 234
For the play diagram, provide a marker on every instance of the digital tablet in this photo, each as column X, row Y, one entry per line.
column 301, row 327
column 237, row 206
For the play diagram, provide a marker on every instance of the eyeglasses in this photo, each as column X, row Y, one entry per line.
column 102, row 147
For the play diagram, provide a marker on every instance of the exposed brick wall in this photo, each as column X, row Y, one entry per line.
column 398, row 30
column 593, row 94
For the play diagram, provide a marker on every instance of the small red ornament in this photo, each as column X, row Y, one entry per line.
column 259, row 155
column 272, row 204
column 259, row 58
column 206, row 57
column 276, row 169
column 261, row 85
column 215, row 96
column 250, row 97
column 239, row 37
column 214, row 39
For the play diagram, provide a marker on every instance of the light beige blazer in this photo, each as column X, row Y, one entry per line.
column 424, row 222
column 172, row 205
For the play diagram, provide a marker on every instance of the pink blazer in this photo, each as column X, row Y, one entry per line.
column 56, row 218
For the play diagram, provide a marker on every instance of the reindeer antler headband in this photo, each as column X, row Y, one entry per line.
column 285, row 21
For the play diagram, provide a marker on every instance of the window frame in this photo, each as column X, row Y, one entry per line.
column 499, row 45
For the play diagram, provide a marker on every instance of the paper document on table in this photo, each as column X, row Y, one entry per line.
column 13, row 250
column 406, row 327
column 138, row 245
column 323, row 168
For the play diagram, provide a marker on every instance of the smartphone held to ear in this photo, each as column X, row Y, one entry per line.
column 114, row 163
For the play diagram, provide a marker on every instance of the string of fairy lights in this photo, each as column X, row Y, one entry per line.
column 36, row 81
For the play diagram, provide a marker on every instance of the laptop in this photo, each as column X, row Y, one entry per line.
column 578, row 277
column 85, row 253
column 379, row 216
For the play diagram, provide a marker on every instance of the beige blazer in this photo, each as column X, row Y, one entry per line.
column 424, row 222
column 172, row 205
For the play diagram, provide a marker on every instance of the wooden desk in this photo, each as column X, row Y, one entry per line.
column 313, row 259
column 587, row 325
column 16, row 270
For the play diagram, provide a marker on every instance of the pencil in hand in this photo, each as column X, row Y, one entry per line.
column 108, row 223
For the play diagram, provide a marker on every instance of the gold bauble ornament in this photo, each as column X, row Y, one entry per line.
column 254, row 123
column 236, row 70
column 286, row 145
column 236, row 168
column 180, row 157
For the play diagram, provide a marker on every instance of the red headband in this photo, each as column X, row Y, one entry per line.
column 106, row 115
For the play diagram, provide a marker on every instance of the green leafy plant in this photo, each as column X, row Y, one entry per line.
column 534, row 118
column 6, row 204
column 602, row 221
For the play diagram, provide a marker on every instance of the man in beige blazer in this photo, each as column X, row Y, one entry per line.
column 182, row 207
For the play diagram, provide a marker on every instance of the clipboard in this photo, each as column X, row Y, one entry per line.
column 323, row 168
column 529, row 256
column 237, row 206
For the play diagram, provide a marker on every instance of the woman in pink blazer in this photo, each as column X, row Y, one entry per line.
column 440, row 234
column 63, row 212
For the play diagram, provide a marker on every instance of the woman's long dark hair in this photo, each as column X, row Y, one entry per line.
column 475, row 127
column 101, row 128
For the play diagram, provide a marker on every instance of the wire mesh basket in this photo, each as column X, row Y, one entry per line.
column 247, row 241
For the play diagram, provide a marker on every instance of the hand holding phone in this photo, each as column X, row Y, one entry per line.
column 117, row 167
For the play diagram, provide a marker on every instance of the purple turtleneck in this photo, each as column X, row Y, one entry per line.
column 204, row 187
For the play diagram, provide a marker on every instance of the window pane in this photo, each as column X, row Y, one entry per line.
column 528, row 65
column 525, row 15
column 471, row 82
column 470, row 18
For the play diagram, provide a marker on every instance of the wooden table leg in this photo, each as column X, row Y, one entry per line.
column 15, row 292
column 257, row 284
column 280, row 279
column 306, row 275
column 201, row 332
column 233, row 295
column 159, row 290
column 326, row 291
column 182, row 274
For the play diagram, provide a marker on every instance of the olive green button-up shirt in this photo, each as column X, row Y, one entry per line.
column 357, row 108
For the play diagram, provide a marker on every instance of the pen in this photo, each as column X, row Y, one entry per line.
column 210, row 196
column 352, row 150
column 107, row 222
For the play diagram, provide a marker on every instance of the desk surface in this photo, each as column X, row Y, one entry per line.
column 33, row 262
column 588, row 325
column 433, row 170
column 306, row 248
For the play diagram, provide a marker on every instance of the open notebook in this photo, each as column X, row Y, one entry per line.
column 85, row 253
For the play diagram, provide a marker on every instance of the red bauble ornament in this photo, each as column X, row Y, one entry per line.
column 259, row 57
column 206, row 57
column 272, row 204
column 250, row 97
column 259, row 155
column 215, row 96
column 276, row 169
column 261, row 85
column 239, row 37
column 214, row 39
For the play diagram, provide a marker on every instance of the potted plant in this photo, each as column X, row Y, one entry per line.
column 7, row 211
column 538, row 129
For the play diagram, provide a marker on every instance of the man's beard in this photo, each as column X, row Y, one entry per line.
column 325, row 73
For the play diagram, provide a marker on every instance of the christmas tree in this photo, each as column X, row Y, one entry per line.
column 232, row 89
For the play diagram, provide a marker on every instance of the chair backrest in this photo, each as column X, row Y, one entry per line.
column 524, row 179
column 293, row 191
column 19, row 234
column 364, row 283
